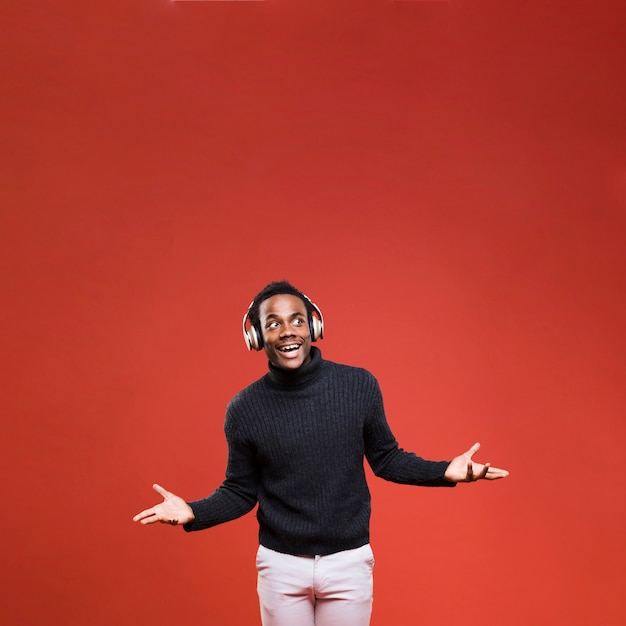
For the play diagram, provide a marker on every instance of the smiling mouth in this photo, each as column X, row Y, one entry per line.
column 292, row 347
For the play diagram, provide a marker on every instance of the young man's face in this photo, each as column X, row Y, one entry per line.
column 285, row 327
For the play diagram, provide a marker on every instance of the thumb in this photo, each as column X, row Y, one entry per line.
column 473, row 450
column 162, row 492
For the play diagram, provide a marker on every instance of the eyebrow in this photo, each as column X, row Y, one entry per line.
column 275, row 316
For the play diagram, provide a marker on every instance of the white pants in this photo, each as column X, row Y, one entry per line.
column 323, row 590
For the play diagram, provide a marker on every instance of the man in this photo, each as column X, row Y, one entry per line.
column 296, row 442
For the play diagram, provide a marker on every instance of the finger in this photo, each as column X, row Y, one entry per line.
column 151, row 518
column 473, row 450
column 484, row 472
column 162, row 492
column 495, row 473
column 143, row 515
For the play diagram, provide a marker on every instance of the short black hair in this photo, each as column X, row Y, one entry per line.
column 276, row 288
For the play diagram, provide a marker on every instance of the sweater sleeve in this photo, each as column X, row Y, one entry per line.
column 387, row 459
column 237, row 495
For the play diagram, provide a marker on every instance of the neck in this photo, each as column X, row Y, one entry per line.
column 297, row 377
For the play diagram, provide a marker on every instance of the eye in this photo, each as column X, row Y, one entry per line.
column 298, row 321
column 272, row 326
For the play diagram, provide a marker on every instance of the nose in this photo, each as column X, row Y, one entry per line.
column 287, row 331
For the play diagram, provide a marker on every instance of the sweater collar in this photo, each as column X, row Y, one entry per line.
column 299, row 377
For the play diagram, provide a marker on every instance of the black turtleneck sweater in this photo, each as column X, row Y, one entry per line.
column 296, row 442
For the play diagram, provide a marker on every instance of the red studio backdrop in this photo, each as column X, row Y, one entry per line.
column 446, row 180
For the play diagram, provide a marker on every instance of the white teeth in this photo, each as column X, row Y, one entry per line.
column 289, row 348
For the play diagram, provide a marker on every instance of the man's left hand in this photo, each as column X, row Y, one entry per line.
column 463, row 470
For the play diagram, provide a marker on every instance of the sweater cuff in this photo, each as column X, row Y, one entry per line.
column 194, row 524
column 442, row 482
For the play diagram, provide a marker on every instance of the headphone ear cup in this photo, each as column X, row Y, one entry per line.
column 316, row 327
column 255, row 340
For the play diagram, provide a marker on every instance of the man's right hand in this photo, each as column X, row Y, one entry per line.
column 173, row 510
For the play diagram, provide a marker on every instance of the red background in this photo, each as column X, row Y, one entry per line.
column 446, row 180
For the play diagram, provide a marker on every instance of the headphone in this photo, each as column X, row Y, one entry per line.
column 253, row 336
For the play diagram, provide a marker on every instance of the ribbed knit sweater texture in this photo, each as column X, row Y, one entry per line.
column 296, row 444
